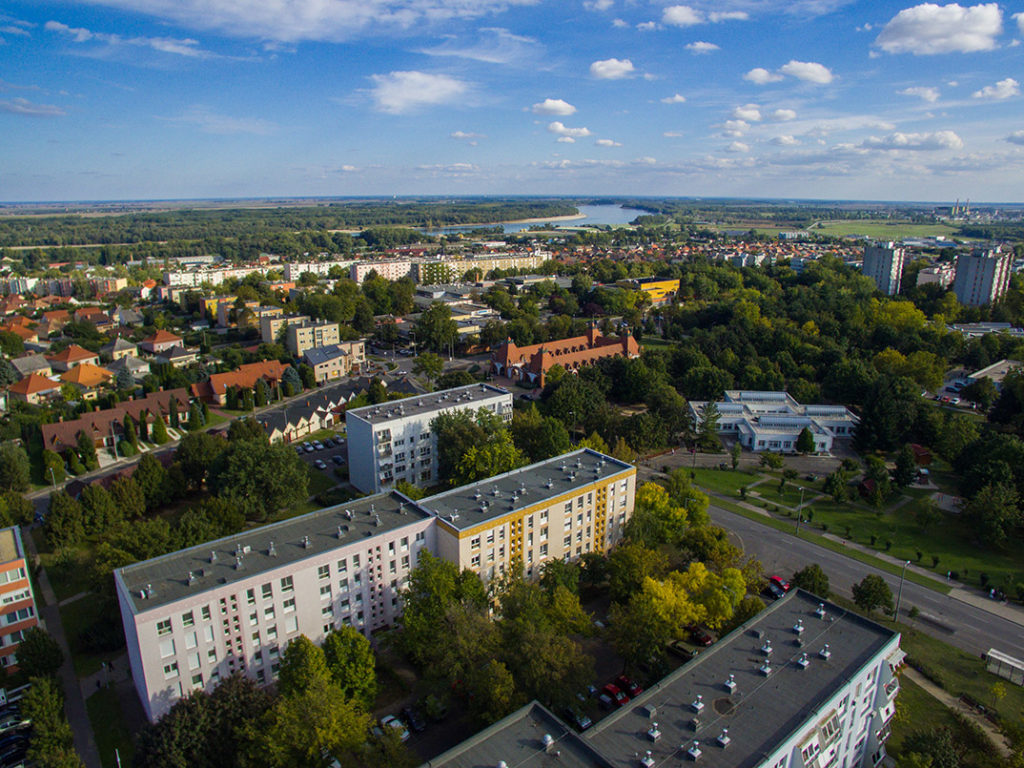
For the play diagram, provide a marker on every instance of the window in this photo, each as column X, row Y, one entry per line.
column 342, row 566
column 208, row 634
column 421, row 536
column 272, row 633
column 256, row 642
column 543, row 550
column 289, row 605
column 325, row 592
column 568, row 508
column 490, row 537
column 170, row 670
column 187, row 619
column 355, row 561
column 268, row 591
column 206, row 613
column 250, row 596
column 579, row 502
column 475, row 561
column 544, row 516
column 193, row 661
column 291, row 624
column 544, row 533
column 254, row 618
column 343, row 586
column 166, row 648
column 323, row 572
column 191, row 641
column 474, row 543
column 391, row 548
column 268, row 613
column 287, row 585
column 197, row 681
column 163, row 627
column 405, row 562
column 405, row 543
column 327, row 611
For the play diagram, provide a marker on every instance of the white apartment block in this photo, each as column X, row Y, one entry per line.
column 392, row 269
column 883, row 263
column 942, row 275
column 194, row 617
column 311, row 334
column 392, row 441
column 982, row 276
column 804, row 684
column 293, row 270
column 194, row 278
column 772, row 421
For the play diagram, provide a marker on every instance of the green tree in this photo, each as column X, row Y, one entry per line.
column 735, row 453
column 159, row 434
column 99, row 511
column 52, row 738
column 495, row 693
column 301, row 663
column 435, row 328
column 805, row 441
column 983, row 392
column 995, row 511
column 87, row 451
column 14, row 467
column 707, row 427
column 195, row 418
column 173, row 412
column 128, row 498
column 352, row 665
column 197, row 453
column 837, row 485
column 53, row 467
column 906, row 467
column 428, row 365
column 63, row 524
column 628, row 565
column 307, row 375
column 8, row 374
column 772, row 460
column 497, row 456
column 39, row 655
column 813, row 579
column 152, row 478
column 258, row 477
column 872, row 592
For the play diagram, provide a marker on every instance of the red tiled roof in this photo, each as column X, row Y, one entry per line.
column 245, row 378
column 71, row 355
column 33, row 384
column 161, row 337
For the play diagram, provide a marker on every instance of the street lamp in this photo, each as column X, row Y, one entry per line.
column 53, row 479
column 899, row 592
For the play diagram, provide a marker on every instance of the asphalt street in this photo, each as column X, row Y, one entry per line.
column 953, row 621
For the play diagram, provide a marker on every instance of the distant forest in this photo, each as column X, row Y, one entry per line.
column 241, row 223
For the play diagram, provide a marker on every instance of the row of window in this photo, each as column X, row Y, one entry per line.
column 14, row 574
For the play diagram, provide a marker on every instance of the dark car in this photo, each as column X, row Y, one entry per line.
column 774, row 591
column 413, row 719
column 630, row 687
column 338, row 458
column 616, row 694
column 698, row 636
column 681, row 649
column 579, row 720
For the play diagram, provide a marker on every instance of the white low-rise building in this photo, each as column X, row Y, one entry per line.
column 773, row 421
column 393, row 441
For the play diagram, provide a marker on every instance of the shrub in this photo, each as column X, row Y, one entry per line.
column 983, row 579
column 127, row 449
column 809, row 515
column 935, row 561
column 849, row 532
column 824, row 527
column 888, row 544
column 914, row 612
column 874, row 539
column 920, row 555
column 955, row 575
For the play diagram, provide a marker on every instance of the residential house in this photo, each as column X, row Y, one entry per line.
column 215, row 389
column 74, row 355
column 32, row 363
column 336, row 361
column 159, row 342
column 117, row 349
column 87, row 378
column 136, row 366
column 33, row 389
column 532, row 363
column 177, row 356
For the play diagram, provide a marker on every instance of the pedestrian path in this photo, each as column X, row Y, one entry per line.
column 999, row 741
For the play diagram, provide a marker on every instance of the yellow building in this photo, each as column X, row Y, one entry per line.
column 659, row 290
column 560, row 508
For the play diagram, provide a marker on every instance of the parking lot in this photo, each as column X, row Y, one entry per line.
column 330, row 456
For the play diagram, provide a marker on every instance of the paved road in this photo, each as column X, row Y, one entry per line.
column 972, row 629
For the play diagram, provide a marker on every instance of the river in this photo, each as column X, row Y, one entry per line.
column 592, row 215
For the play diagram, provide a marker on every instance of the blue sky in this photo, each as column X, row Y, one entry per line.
column 127, row 99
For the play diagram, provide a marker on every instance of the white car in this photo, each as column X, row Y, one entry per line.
column 390, row 721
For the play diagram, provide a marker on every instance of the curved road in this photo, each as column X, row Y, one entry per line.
column 958, row 623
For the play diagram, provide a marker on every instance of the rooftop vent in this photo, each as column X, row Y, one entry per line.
column 496, row 491
column 694, row 751
column 348, row 514
column 453, row 516
column 548, row 484
column 238, row 563
column 271, row 550
column 825, row 653
column 653, row 733
column 149, row 592
column 723, row 738
column 476, row 495
column 766, row 649
column 647, row 761
column 799, row 626
column 377, row 522
column 765, row 669
column 549, row 742
column 803, row 661
column 191, row 577
column 730, row 683
column 698, row 703
column 213, row 556
column 306, row 543
column 572, row 476
column 820, row 613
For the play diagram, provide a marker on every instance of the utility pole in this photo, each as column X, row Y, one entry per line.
column 899, row 592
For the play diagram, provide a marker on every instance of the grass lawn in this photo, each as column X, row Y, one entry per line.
column 321, row 480
column 76, row 617
column 883, row 230
column 66, row 580
column 790, row 496
column 725, row 481
column 109, row 728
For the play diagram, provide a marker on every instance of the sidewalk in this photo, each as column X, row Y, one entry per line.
column 999, row 741
column 74, row 702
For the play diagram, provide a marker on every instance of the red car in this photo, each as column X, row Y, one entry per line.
column 630, row 687
column 698, row 636
column 780, row 582
column 615, row 694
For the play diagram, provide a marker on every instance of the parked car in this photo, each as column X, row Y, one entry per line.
column 698, row 636
column 780, row 582
column 413, row 719
column 633, row 689
column 319, row 464
column 12, row 721
column 617, row 695
column 682, row 650
column 606, row 701
column 390, row 721
column 338, row 458
column 774, row 591
column 579, row 720
column 317, row 445
column 308, row 447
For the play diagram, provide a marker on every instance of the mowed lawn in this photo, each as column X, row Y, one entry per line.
column 883, row 230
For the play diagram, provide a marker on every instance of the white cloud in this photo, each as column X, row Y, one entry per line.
column 681, row 16
column 612, row 69
column 1017, row 137
column 926, row 93
column 738, row 146
column 733, row 129
column 1004, row 89
column 566, row 140
column 469, row 137
column 607, row 143
column 929, row 28
column 493, row 46
column 347, row 168
column 11, row 29
column 180, row 47
column 324, row 20
column 562, row 130
column 209, row 121
column 553, row 107
column 646, row 161
column 620, row 23
column 808, row 71
column 598, row 5
column 673, row 134
column 20, row 106
column 717, row 16
column 675, row 99
column 1020, row 22
column 748, row 112
column 647, row 26
column 400, row 92
column 785, row 141
column 782, row 115
column 701, row 47
column 760, row 76
column 915, row 141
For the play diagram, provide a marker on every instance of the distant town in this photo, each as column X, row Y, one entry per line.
column 507, row 482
